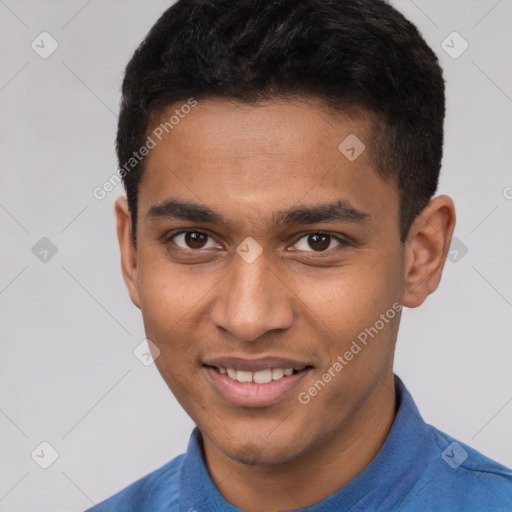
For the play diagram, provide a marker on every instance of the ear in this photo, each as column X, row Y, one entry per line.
column 128, row 250
column 427, row 247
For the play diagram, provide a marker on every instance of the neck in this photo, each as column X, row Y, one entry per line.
column 312, row 477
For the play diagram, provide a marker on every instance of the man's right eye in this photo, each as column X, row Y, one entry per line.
column 191, row 239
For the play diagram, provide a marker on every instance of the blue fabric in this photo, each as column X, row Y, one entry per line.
column 418, row 469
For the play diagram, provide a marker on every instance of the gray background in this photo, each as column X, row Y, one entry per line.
column 68, row 375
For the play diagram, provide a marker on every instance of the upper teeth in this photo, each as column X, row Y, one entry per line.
column 261, row 377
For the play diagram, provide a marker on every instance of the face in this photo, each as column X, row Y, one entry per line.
column 292, row 254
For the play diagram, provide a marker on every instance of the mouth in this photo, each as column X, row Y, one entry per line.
column 264, row 376
column 255, row 383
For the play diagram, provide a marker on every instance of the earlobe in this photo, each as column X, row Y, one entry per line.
column 127, row 248
column 427, row 247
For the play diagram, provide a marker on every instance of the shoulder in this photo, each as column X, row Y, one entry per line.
column 459, row 478
column 158, row 490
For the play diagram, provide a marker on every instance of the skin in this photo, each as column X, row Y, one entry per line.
column 296, row 300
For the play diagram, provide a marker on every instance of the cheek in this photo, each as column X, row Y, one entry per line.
column 347, row 305
column 168, row 297
column 349, row 295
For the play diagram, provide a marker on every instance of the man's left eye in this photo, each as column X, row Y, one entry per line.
column 319, row 242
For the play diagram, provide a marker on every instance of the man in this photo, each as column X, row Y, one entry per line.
column 280, row 159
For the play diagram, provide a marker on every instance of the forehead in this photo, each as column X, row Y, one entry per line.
column 279, row 128
column 260, row 158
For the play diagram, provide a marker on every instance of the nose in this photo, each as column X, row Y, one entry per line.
column 252, row 300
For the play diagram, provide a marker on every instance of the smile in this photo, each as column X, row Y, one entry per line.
column 255, row 383
column 259, row 377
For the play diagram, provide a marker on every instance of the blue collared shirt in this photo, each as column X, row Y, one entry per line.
column 418, row 469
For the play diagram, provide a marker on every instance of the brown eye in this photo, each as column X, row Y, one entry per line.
column 195, row 240
column 319, row 242
column 190, row 240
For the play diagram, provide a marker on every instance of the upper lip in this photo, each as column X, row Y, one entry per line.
column 254, row 365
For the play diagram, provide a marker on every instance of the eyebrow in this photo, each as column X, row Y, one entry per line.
column 337, row 211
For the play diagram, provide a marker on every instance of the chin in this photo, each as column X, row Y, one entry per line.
column 260, row 450
column 253, row 455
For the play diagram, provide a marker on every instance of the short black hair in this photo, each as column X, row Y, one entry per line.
column 350, row 54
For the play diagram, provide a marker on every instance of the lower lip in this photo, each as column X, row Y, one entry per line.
column 254, row 395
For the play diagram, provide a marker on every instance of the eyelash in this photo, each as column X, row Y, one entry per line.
column 341, row 241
